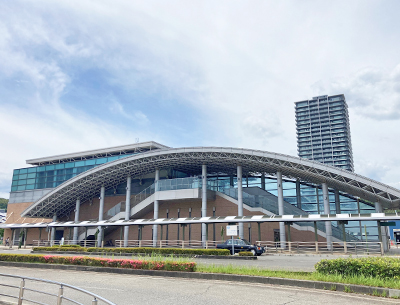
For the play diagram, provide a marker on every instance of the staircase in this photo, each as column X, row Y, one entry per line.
column 256, row 197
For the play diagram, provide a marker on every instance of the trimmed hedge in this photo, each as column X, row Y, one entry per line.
column 99, row 262
column 142, row 250
column 60, row 248
column 149, row 250
column 380, row 267
column 245, row 253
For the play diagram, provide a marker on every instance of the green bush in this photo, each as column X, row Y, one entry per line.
column 379, row 267
column 245, row 253
column 100, row 262
column 142, row 250
column 70, row 246
column 167, row 251
column 60, row 248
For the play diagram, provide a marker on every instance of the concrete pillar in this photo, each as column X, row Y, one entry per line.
column 53, row 232
column 282, row 233
column 381, row 230
column 204, row 203
column 328, row 224
column 101, row 212
column 156, row 207
column 337, row 202
column 127, row 209
column 240, row 198
column 75, row 236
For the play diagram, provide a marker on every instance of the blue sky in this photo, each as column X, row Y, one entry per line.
column 77, row 75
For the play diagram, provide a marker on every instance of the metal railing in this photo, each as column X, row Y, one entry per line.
column 184, row 244
column 19, row 292
column 347, row 248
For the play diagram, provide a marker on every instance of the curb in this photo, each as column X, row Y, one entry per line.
column 144, row 254
column 222, row 277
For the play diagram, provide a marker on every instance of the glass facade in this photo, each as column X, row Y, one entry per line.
column 50, row 176
column 323, row 131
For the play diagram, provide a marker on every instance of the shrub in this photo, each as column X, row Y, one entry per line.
column 245, row 253
column 60, row 248
column 100, row 262
column 70, row 246
column 380, row 267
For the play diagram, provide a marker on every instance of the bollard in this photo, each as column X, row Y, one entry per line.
column 316, row 247
column 94, row 302
column 60, row 295
column 21, row 292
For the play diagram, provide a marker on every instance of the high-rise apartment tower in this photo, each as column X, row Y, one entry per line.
column 323, row 131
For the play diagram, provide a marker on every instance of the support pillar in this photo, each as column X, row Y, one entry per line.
column 263, row 181
column 328, row 224
column 381, row 230
column 298, row 193
column 337, row 202
column 156, row 207
column 53, row 232
column 204, row 203
column 101, row 212
column 75, row 236
column 240, row 198
column 127, row 209
column 282, row 233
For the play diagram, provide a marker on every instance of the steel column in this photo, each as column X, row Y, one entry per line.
column 328, row 224
column 156, row 207
column 127, row 209
column 282, row 233
column 77, row 207
column 53, row 232
column 101, row 211
column 381, row 230
column 240, row 198
column 204, row 203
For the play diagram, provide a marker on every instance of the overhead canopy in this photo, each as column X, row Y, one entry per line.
column 61, row 200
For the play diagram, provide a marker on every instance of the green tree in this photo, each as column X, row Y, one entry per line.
column 3, row 203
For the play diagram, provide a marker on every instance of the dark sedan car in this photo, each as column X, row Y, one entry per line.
column 241, row 245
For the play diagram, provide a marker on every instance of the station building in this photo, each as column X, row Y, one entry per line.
column 149, row 181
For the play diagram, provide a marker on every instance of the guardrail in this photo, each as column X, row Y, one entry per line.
column 24, row 295
column 356, row 248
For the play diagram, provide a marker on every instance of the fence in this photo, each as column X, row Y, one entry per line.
column 16, row 288
column 356, row 248
column 192, row 244
column 49, row 243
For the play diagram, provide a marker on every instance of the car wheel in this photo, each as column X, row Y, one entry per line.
column 254, row 252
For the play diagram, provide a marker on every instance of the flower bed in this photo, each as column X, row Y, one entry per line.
column 100, row 262
column 381, row 267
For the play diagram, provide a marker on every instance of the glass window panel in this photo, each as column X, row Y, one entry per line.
column 21, row 182
column 60, row 166
column 291, row 192
column 69, row 164
column 41, row 169
column 33, row 175
column 49, row 184
column 14, row 183
column 23, row 176
column 21, row 188
column 16, row 171
column 80, row 170
column 15, row 177
column 23, row 171
column 112, row 158
column 14, row 188
column 30, row 181
column 50, row 167
column 49, row 173
column 101, row 160
column 32, row 170
column 40, row 185
column 30, row 187
column 90, row 162
column 60, row 172
column 289, row 185
column 79, row 163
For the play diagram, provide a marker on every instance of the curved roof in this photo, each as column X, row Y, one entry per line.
column 61, row 200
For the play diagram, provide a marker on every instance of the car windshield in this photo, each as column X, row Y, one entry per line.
column 240, row 242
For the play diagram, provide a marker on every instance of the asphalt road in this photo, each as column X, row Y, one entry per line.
column 132, row 289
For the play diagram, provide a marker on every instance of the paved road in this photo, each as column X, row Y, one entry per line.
column 132, row 289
